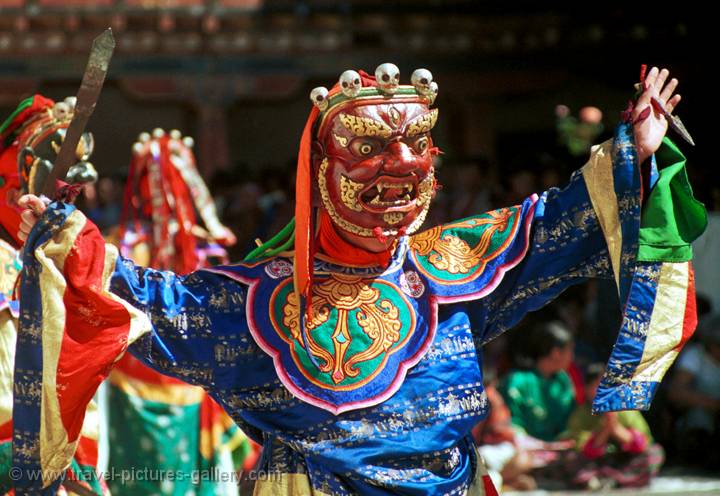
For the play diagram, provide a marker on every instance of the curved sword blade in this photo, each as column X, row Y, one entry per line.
column 87, row 96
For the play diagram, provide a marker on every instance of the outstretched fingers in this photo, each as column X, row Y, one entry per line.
column 657, row 86
column 649, row 91
column 660, row 80
column 672, row 103
column 668, row 90
column 651, row 76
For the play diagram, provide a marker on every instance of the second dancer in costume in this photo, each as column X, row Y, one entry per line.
column 158, row 421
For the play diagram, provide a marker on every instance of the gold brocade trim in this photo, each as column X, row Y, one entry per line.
column 111, row 255
column 666, row 323
column 422, row 124
column 8, row 336
column 365, row 126
column 56, row 451
column 58, row 248
column 169, row 394
column 378, row 319
column 349, row 193
column 450, row 253
column 598, row 176
column 286, row 485
column 91, row 423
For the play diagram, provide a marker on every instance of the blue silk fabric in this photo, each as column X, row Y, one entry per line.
column 413, row 434
column 418, row 440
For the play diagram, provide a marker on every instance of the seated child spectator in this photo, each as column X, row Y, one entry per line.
column 541, row 398
column 512, row 457
column 617, row 449
column 508, row 464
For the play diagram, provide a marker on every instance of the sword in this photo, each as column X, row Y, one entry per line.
column 87, row 96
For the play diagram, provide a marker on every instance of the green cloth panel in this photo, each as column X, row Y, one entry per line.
column 87, row 474
column 159, row 437
column 6, row 482
column 672, row 218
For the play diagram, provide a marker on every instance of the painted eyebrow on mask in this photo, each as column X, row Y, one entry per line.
column 422, row 123
column 365, row 126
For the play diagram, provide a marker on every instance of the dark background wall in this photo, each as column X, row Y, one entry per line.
column 236, row 74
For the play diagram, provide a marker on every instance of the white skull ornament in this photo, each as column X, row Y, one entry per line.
column 350, row 83
column 319, row 97
column 422, row 80
column 388, row 77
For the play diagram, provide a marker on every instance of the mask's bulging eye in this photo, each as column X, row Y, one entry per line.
column 364, row 147
column 421, row 144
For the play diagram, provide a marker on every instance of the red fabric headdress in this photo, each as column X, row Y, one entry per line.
column 304, row 215
column 9, row 176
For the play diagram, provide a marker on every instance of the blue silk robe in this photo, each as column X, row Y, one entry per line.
column 380, row 393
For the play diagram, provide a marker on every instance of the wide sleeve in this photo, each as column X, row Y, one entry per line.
column 508, row 262
column 581, row 231
column 610, row 222
column 81, row 307
column 196, row 323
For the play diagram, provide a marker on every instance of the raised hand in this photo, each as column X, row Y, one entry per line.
column 649, row 123
column 33, row 207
